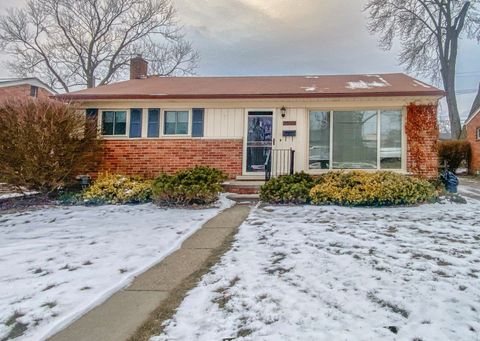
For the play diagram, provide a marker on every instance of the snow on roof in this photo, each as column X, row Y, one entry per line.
column 416, row 82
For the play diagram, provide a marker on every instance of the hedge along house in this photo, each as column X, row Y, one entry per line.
column 247, row 125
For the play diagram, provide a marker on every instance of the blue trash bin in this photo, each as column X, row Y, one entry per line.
column 450, row 181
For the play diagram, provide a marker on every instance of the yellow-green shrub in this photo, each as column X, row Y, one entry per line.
column 118, row 189
column 360, row 188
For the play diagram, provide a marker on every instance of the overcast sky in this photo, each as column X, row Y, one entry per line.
column 284, row 37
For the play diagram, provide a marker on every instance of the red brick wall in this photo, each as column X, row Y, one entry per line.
column 474, row 143
column 151, row 157
column 422, row 137
column 20, row 91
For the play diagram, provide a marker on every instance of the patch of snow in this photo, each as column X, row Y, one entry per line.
column 311, row 77
column 57, row 263
column 337, row 273
column 365, row 85
column 309, row 88
column 16, row 194
column 421, row 84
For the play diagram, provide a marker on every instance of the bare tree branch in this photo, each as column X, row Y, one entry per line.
column 428, row 31
column 89, row 42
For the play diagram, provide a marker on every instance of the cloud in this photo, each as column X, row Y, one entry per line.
column 282, row 37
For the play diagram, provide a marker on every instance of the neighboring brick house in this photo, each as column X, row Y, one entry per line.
column 23, row 87
column 162, row 124
column 472, row 128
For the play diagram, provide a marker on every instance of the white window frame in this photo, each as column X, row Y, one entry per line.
column 127, row 122
column 162, row 123
column 478, row 133
column 330, row 163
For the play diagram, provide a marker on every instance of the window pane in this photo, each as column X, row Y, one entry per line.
column 170, row 122
column 391, row 140
column 170, row 116
column 182, row 122
column 182, row 116
column 107, row 122
column 355, row 139
column 319, row 140
column 120, row 123
column 108, row 116
column 182, row 128
column 169, row 128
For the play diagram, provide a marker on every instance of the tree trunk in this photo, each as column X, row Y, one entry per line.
column 476, row 102
column 90, row 81
column 453, row 114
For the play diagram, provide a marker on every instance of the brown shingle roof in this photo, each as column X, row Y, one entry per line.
column 260, row 87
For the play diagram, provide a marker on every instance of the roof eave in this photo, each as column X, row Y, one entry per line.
column 82, row 97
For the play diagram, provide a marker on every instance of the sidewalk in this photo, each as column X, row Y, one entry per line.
column 121, row 315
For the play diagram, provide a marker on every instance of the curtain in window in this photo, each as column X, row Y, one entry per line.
column 355, row 139
column 391, row 139
column 319, row 137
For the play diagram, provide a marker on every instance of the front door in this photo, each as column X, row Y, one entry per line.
column 259, row 140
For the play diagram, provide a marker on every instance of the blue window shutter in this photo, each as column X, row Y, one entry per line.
column 92, row 117
column 197, row 122
column 153, row 123
column 135, row 122
column 92, row 113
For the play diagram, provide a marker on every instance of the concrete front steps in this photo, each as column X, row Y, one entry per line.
column 240, row 186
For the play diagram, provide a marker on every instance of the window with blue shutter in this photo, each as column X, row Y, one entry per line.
column 92, row 117
column 197, row 122
column 153, row 123
column 135, row 122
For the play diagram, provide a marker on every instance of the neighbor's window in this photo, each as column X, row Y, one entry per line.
column 176, row 123
column 478, row 133
column 33, row 91
column 354, row 140
column 391, row 139
column 114, row 122
column 319, row 137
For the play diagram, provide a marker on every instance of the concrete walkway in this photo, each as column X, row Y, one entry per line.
column 471, row 187
column 122, row 314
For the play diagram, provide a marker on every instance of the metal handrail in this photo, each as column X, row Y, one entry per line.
column 279, row 162
column 268, row 166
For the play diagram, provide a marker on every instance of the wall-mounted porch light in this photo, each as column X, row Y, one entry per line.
column 283, row 111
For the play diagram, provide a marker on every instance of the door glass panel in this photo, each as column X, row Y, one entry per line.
column 259, row 140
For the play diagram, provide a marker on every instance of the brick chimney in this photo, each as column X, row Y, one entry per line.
column 138, row 67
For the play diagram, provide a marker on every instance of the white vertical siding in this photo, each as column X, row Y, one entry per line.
column 299, row 142
column 224, row 123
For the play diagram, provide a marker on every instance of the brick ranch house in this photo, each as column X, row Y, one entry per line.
column 241, row 124
column 472, row 128
column 24, row 87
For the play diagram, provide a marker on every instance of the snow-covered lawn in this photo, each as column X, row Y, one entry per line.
column 333, row 273
column 58, row 262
